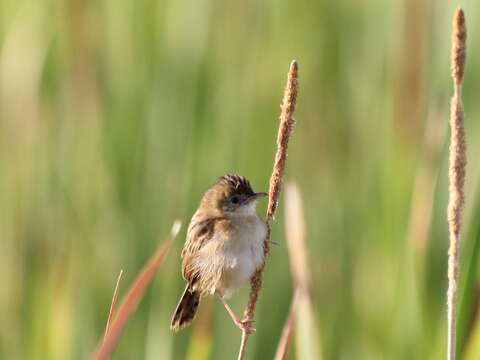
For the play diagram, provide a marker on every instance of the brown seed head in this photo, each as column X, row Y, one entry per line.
column 287, row 123
column 459, row 38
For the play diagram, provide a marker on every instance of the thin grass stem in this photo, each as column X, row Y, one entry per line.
column 287, row 123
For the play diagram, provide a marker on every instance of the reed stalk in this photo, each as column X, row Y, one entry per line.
column 287, row 123
column 456, row 175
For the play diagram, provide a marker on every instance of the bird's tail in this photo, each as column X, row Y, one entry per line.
column 186, row 309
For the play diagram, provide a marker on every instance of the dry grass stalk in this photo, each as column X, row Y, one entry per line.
column 133, row 297
column 306, row 330
column 295, row 230
column 287, row 123
column 112, row 311
column 456, row 174
column 287, row 332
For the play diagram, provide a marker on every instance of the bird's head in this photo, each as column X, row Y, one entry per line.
column 232, row 195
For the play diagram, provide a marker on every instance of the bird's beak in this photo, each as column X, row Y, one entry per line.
column 255, row 196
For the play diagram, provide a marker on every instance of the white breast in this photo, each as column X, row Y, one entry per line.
column 239, row 256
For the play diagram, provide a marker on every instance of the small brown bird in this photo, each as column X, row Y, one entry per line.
column 223, row 249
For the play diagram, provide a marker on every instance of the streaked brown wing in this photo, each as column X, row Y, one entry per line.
column 200, row 231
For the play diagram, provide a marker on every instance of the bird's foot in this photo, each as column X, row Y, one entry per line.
column 246, row 325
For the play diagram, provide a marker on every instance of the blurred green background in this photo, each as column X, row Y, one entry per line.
column 115, row 116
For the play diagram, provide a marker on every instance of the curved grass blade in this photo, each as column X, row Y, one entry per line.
column 133, row 298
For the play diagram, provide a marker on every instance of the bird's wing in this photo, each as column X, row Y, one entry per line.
column 200, row 231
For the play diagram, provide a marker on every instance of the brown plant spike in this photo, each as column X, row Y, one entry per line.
column 133, row 298
column 287, row 123
column 456, row 174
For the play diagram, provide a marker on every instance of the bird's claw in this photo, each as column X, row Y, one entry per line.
column 246, row 325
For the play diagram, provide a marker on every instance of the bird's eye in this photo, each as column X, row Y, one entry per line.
column 235, row 199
